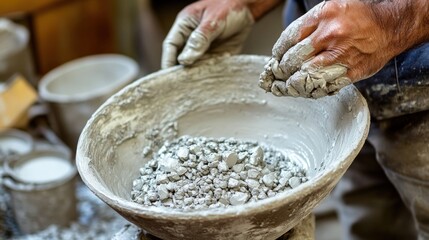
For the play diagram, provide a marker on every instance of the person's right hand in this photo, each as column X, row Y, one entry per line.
column 207, row 27
column 340, row 42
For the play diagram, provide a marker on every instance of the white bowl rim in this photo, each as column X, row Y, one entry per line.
column 130, row 73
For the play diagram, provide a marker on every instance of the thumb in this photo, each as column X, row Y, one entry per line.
column 176, row 39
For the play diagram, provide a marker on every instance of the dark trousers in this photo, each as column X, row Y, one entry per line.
column 385, row 192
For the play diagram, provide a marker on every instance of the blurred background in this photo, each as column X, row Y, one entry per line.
column 39, row 37
column 63, row 30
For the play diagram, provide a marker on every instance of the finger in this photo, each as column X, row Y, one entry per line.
column 176, row 39
column 169, row 53
column 266, row 78
column 298, row 81
column 199, row 41
column 326, row 80
column 294, row 86
column 283, row 88
column 279, row 88
column 330, row 83
column 295, row 32
column 299, row 84
column 328, row 73
column 319, row 92
column 294, row 58
column 326, row 66
column 337, row 84
column 313, row 82
column 301, row 52
column 196, row 46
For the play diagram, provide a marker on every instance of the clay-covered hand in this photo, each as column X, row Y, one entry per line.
column 207, row 26
column 339, row 42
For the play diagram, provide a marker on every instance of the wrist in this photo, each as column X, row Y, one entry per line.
column 405, row 21
column 423, row 5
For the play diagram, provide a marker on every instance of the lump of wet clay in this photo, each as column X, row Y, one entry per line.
column 308, row 81
column 199, row 173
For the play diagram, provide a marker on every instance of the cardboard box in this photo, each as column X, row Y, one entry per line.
column 16, row 97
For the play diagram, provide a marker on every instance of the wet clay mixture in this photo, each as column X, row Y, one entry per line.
column 198, row 172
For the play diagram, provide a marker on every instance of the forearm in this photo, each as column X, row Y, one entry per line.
column 406, row 20
column 259, row 8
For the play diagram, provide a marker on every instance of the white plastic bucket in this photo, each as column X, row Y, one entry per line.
column 76, row 89
column 15, row 56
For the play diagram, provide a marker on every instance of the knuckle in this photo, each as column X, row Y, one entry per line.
column 331, row 8
column 166, row 43
column 335, row 32
column 190, row 10
column 208, row 26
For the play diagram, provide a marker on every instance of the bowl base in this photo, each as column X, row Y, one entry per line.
column 303, row 230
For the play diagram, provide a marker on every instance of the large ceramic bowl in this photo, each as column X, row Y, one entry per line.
column 220, row 98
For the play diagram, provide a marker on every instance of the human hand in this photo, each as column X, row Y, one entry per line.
column 207, row 26
column 336, row 43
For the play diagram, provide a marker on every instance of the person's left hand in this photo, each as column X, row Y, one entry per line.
column 207, row 27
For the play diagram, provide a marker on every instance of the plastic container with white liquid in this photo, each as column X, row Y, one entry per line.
column 41, row 185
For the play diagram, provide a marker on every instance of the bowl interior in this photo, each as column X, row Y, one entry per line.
column 217, row 98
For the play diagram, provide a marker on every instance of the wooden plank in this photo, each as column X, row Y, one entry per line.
column 11, row 6
column 72, row 30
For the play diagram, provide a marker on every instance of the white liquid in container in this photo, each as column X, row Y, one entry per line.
column 11, row 144
column 43, row 169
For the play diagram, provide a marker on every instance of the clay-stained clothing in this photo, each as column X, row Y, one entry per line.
column 394, row 90
column 400, row 90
